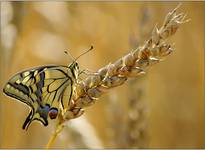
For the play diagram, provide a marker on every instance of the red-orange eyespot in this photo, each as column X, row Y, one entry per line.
column 53, row 113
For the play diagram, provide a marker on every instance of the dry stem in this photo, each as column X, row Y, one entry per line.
column 58, row 129
column 87, row 91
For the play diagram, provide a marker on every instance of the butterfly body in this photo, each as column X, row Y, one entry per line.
column 44, row 89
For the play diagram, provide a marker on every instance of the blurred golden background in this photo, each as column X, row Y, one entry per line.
column 162, row 109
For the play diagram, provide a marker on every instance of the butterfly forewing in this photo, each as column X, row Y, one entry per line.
column 17, row 87
column 42, row 89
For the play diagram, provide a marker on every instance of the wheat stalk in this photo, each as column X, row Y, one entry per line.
column 133, row 64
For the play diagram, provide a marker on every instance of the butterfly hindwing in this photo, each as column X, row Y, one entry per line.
column 42, row 89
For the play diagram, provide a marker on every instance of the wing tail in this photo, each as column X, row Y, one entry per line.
column 28, row 120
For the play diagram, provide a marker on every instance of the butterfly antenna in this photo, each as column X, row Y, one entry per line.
column 68, row 54
column 91, row 47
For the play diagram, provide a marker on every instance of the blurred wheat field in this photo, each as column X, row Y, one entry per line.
column 162, row 109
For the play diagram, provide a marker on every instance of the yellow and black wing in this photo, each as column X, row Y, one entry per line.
column 42, row 89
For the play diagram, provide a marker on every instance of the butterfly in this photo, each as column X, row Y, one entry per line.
column 45, row 89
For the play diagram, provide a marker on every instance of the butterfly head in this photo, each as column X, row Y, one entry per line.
column 74, row 67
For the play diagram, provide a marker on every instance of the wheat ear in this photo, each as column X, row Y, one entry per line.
column 154, row 50
column 87, row 91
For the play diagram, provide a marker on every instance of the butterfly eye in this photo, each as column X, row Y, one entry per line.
column 77, row 66
column 53, row 112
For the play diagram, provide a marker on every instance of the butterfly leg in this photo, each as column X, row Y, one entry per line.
column 87, row 72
